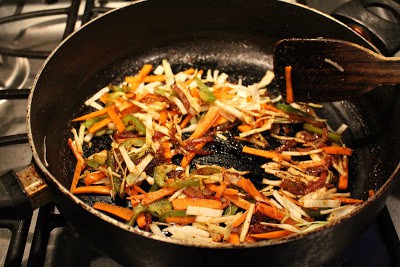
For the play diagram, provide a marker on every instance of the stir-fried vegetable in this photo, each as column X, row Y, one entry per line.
column 140, row 143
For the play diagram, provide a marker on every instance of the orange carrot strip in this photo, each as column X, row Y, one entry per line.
column 141, row 220
column 270, row 108
column 190, row 71
column 121, row 212
column 265, row 153
column 154, row 78
column 239, row 220
column 75, row 179
column 183, row 203
column 272, row 212
column 163, row 117
column 338, row 150
column 245, row 128
column 348, row 200
column 116, row 120
column 91, row 115
column 93, row 177
column 289, row 86
column 98, row 125
column 181, row 220
column 371, row 193
column 203, row 126
column 76, row 153
column 93, row 189
column 205, row 123
column 138, row 79
column 223, row 93
column 249, row 239
column 272, row 235
column 249, row 187
column 220, row 120
column 140, row 190
column 190, row 155
column 141, row 96
column 220, row 190
column 227, row 191
column 234, row 238
column 166, row 149
column 238, row 201
column 344, row 178
column 104, row 98
column 185, row 121
column 156, row 195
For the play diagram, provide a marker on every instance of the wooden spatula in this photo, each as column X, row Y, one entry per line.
column 325, row 70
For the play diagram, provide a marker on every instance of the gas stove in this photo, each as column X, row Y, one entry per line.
column 29, row 30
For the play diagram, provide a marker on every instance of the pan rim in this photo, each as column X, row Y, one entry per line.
column 129, row 229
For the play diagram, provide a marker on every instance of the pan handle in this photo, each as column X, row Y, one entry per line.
column 21, row 192
column 382, row 32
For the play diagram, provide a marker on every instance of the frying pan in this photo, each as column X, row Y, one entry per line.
column 234, row 36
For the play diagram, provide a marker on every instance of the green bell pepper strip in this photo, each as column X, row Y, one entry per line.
column 139, row 126
column 136, row 212
column 90, row 122
column 160, row 174
column 289, row 109
column 92, row 164
column 231, row 209
column 159, row 207
column 134, row 141
column 332, row 136
column 204, row 93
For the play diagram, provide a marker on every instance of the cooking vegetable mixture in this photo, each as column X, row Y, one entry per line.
column 156, row 122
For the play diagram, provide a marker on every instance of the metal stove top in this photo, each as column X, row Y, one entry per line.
column 34, row 38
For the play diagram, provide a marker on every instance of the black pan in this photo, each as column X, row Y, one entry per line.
column 235, row 36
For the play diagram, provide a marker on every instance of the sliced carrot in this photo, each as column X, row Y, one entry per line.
column 223, row 93
column 98, row 125
column 181, row 220
column 205, row 123
column 91, row 115
column 371, row 193
column 220, row 190
column 121, row 212
column 238, row 201
column 141, row 220
column 156, row 195
column 272, row 235
column 289, row 86
column 271, row 108
column 239, row 220
column 348, row 200
column 93, row 177
column 249, row 239
column 93, row 189
column 344, row 178
column 227, row 191
column 245, row 128
column 166, row 149
column 272, row 212
column 265, row 153
column 116, row 120
column 76, row 153
column 337, row 150
column 220, row 120
column 138, row 79
column 104, row 98
column 234, row 238
column 190, row 155
column 249, row 187
column 183, row 203
column 154, row 78
column 141, row 96
column 163, row 117
column 190, row 71
column 203, row 126
column 185, row 121
column 75, row 179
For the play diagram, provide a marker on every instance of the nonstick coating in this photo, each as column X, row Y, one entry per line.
column 236, row 37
